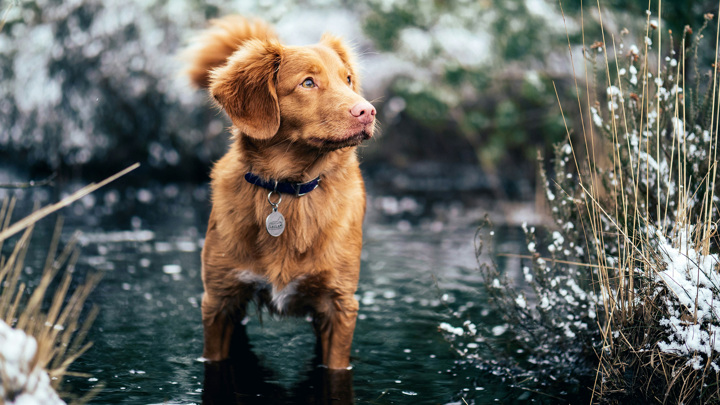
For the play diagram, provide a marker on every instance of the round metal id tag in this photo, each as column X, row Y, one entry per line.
column 275, row 223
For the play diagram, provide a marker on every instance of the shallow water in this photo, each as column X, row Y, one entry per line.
column 418, row 267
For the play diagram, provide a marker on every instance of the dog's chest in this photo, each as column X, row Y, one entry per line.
column 299, row 297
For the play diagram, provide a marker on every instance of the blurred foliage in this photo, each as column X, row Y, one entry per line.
column 86, row 83
column 478, row 74
column 96, row 84
column 484, row 70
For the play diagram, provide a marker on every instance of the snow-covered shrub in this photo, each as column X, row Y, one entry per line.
column 690, row 287
column 625, row 289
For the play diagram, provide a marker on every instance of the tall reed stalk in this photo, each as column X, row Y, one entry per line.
column 625, row 291
column 650, row 218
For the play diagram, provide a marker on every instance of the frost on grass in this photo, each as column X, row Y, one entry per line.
column 625, row 286
column 544, row 322
column 22, row 381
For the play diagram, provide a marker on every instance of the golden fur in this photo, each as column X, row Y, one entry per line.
column 286, row 131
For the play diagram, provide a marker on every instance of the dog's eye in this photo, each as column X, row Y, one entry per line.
column 308, row 83
column 349, row 80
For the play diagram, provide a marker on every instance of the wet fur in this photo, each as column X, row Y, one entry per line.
column 282, row 132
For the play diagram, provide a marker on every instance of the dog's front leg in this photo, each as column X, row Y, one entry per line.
column 218, row 329
column 337, row 338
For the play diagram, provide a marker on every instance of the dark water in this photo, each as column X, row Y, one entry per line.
column 418, row 267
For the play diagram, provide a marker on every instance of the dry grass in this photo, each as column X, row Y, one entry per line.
column 53, row 313
column 634, row 229
column 654, row 191
column 52, row 310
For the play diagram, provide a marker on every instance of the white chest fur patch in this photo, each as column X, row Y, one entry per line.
column 279, row 300
column 249, row 277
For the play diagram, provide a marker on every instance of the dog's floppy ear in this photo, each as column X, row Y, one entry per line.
column 346, row 55
column 246, row 88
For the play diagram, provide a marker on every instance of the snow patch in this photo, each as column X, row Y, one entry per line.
column 23, row 381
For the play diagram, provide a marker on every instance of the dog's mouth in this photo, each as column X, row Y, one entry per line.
column 332, row 144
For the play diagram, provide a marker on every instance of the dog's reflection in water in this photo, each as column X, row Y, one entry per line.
column 241, row 379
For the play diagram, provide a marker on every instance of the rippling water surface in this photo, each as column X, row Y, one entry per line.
column 418, row 267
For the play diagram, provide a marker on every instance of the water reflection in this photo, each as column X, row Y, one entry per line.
column 243, row 379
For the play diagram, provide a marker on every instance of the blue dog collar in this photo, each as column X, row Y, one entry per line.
column 284, row 187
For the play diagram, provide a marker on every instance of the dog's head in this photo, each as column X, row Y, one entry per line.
column 307, row 94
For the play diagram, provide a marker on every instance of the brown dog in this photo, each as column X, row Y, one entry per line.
column 291, row 171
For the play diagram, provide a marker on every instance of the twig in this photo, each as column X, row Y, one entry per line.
column 5, row 14
column 547, row 259
column 539, row 392
column 32, row 183
column 45, row 211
